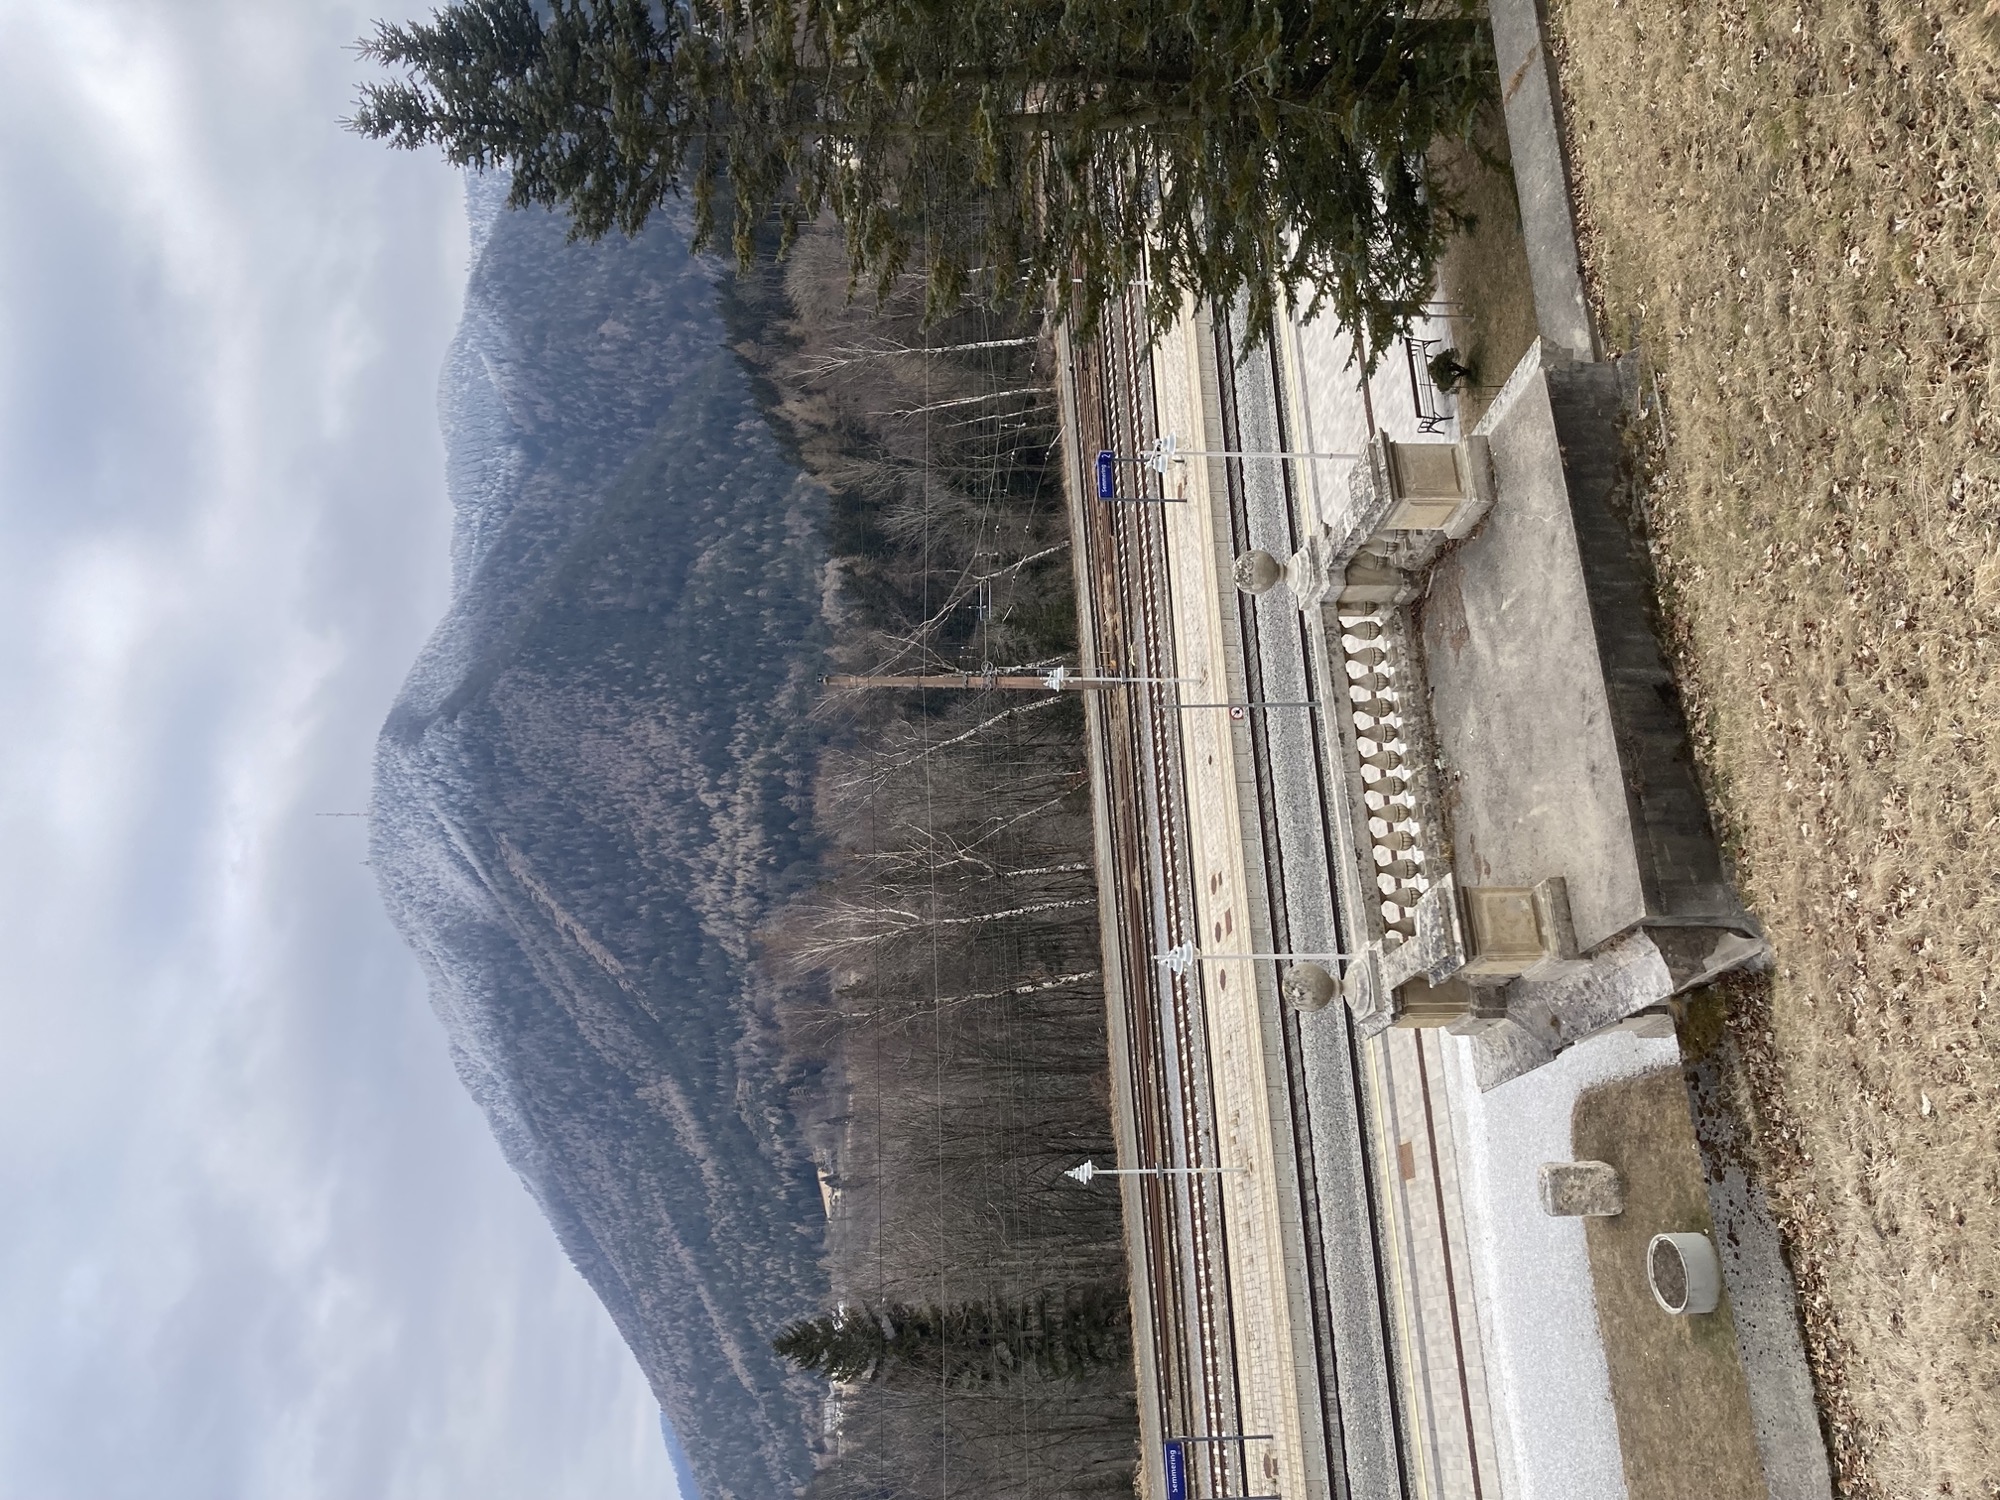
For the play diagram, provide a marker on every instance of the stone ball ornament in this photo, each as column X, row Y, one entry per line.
column 1309, row 987
column 1258, row 572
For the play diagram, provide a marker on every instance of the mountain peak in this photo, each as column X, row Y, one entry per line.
column 592, row 789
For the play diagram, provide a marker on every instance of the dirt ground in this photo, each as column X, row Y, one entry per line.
column 1684, row 1426
column 1791, row 208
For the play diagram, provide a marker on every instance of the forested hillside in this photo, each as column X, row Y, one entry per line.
column 593, row 788
column 723, row 958
column 947, row 967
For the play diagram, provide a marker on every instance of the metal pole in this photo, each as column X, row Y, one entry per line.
column 1256, row 453
column 1185, row 956
column 1266, row 703
column 1057, row 680
column 1165, row 449
column 1093, row 1171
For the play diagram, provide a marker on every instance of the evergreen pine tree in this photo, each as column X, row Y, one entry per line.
column 847, row 1344
column 1004, row 147
column 970, row 1343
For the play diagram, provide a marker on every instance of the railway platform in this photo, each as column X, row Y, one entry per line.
column 1345, row 770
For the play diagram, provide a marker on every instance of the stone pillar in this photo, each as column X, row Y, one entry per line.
column 1441, row 487
column 1518, row 930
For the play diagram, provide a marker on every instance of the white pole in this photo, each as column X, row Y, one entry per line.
column 1185, row 956
column 1089, row 1169
column 1166, row 449
column 1057, row 678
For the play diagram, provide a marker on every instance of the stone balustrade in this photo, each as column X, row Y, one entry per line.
column 1385, row 703
column 1429, row 950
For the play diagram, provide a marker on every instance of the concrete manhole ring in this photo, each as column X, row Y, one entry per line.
column 1684, row 1273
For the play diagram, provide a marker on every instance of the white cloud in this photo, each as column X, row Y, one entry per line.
column 258, row 1241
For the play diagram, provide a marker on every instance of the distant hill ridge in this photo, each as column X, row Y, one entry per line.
column 593, row 788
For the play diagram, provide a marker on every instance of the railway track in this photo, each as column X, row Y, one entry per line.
column 1367, row 1403
column 1185, row 1285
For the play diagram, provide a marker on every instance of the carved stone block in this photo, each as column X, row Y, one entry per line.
column 1503, row 936
column 1561, row 956
column 1420, row 1003
column 1441, row 487
column 1580, row 1189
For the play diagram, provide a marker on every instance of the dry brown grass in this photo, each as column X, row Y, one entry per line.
column 1485, row 272
column 1684, row 1426
column 1793, row 205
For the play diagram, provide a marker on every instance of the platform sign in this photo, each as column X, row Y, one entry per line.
column 1176, row 1471
column 1107, row 475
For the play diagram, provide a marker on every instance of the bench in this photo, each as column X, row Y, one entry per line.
column 1424, row 394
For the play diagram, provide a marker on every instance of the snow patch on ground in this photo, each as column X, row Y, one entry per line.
column 1553, row 1420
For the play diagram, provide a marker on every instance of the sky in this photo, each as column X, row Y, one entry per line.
column 254, row 1239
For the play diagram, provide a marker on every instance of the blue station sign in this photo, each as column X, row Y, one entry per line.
column 1176, row 1456
column 1107, row 475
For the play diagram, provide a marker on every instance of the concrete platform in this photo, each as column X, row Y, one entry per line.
column 1533, row 783
column 1556, row 716
column 1560, row 737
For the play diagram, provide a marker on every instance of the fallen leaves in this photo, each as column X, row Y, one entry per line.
column 1812, row 264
